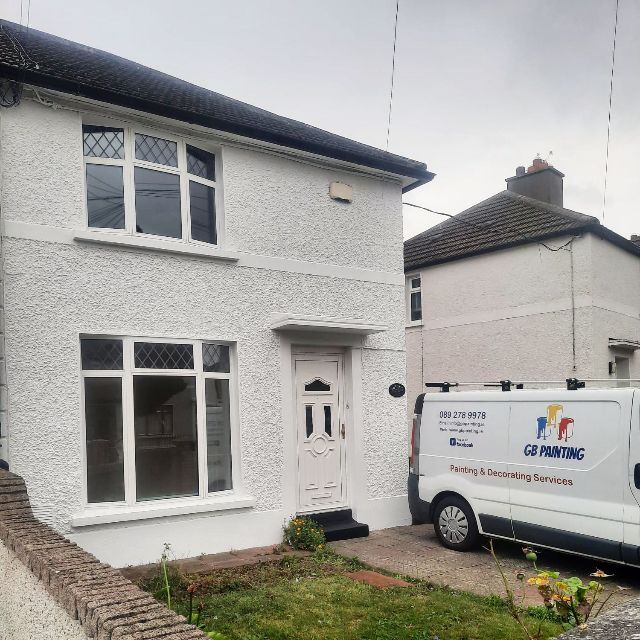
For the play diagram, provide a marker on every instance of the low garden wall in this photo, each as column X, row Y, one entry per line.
column 620, row 623
column 51, row 589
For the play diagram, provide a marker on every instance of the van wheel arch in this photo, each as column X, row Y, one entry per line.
column 449, row 494
column 439, row 497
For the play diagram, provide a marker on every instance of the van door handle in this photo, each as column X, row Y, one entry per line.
column 636, row 476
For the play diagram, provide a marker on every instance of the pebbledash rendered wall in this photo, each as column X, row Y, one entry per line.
column 511, row 315
column 305, row 254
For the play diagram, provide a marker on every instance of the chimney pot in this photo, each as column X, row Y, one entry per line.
column 520, row 171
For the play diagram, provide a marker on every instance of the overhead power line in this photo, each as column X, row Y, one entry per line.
column 393, row 71
column 613, row 66
column 454, row 217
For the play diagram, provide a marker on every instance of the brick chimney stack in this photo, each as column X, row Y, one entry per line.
column 540, row 181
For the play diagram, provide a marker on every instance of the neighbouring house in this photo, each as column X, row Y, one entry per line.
column 518, row 287
column 202, row 310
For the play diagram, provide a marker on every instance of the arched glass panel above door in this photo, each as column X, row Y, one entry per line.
column 317, row 385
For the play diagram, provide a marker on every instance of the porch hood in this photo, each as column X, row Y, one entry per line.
column 326, row 324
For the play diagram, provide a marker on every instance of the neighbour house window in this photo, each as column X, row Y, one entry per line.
column 157, row 418
column 415, row 298
column 146, row 184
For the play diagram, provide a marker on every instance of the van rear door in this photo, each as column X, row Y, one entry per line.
column 569, row 467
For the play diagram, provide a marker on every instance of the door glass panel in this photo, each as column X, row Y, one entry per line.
column 105, row 196
column 327, row 420
column 158, row 203
column 166, row 436
column 308, row 412
column 317, row 385
column 103, row 420
column 218, row 434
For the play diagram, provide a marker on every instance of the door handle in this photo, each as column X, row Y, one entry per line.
column 636, row 475
column 342, row 434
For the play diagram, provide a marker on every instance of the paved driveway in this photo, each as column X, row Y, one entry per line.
column 415, row 551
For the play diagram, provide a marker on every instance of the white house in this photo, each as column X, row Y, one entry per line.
column 202, row 310
column 519, row 288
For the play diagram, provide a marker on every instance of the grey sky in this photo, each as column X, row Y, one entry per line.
column 481, row 86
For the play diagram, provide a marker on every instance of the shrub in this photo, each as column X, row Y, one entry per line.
column 304, row 533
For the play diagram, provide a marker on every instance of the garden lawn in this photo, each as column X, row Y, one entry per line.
column 312, row 599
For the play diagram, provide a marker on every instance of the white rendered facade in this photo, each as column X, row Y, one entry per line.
column 284, row 249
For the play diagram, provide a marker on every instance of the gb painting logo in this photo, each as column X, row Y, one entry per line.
column 554, row 426
column 555, row 421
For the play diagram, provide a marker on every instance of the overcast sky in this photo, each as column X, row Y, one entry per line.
column 480, row 87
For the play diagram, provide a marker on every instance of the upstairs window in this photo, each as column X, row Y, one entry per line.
column 152, row 185
column 414, row 288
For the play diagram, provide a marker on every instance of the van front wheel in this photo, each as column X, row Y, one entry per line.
column 455, row 524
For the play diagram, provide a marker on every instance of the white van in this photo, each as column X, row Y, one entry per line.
column 553, row 468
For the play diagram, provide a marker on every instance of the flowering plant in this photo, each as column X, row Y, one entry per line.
column 303, row 533
column 572, row 599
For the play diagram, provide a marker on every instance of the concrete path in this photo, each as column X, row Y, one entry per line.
column 415, row 551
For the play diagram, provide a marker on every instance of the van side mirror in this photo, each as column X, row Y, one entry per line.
column 636, row 476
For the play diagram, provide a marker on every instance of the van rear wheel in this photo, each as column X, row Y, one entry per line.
column 455, row 524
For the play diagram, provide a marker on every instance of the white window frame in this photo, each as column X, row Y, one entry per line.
column 130, row 162
column 409, row 289
column 127, row 373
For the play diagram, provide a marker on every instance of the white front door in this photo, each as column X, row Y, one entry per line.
column 319, row 423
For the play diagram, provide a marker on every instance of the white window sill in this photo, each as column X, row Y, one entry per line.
column 415, row 323
column 167, row 245
column 105, row 514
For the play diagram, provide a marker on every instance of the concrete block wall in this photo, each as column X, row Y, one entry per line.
column 54, row 590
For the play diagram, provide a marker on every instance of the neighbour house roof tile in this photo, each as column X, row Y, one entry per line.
column 43, row 60
column 501, row 221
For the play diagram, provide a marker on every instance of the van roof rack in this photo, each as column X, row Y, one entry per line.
column 572, row 384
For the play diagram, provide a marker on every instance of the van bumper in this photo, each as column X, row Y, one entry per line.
column 420, row 509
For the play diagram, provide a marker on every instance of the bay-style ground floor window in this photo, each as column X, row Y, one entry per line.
column 158, row 418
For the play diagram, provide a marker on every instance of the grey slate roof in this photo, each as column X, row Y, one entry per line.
column 44, row 60
column 503, row 220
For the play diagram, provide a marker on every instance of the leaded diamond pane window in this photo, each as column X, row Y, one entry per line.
column 201, row 163
column 215, row 357
column 156, row 150
column 102, row 354
column 103, row 142
column 163, row 355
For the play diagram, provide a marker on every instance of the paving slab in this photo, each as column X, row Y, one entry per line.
column 415, row 551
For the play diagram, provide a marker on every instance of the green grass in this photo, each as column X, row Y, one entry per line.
column 311, row 599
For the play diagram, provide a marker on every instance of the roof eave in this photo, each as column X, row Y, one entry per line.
column 419, row 173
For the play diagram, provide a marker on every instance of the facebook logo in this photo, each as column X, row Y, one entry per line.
column 452, row 442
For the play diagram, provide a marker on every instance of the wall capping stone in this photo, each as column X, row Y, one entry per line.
column 107, row 605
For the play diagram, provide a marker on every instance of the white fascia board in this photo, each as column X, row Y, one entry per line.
column 298, row 322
